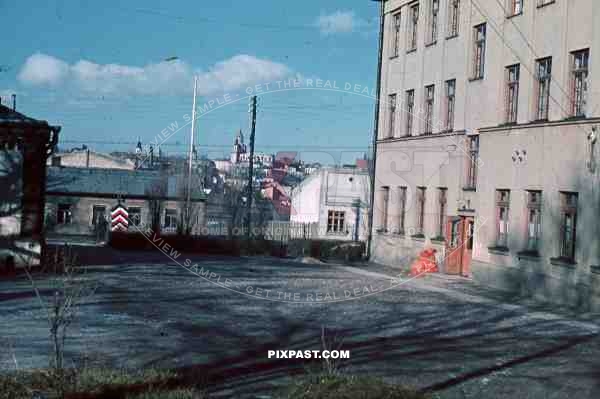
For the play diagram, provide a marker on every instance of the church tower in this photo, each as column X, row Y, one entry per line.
column 238, row 148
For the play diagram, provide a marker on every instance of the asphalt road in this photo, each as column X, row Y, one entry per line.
column 447, row 335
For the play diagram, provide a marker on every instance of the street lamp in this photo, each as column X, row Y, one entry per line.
column 376, row 124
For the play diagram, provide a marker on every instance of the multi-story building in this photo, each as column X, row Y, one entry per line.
column 487, row 142
column 334, row 200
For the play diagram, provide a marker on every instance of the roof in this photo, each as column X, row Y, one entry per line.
column 96, row 182
column 8, row 116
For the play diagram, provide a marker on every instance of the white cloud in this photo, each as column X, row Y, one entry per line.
column 338, row 22
column 163, row 78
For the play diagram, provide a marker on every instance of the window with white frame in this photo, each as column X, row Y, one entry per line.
column 64, row 214
column 402, row 210
column 450, row 105
column 453, row 17
column 410, row 108
column 421, row 211
column 170, row 223
column 391, row 114
column 502, row 214
column 568, row 226
column 414, row 25
column 335, row 221
column 472, row 161
column 135, row 215
column 434, row 10
column 98, row 214
column 543, row 79
column 512, row 93
column 429, row 99
column 579, row 81
column 515, row 7
column 534, row 220
column 479, row 35
column 396, row 30
column 442, row 200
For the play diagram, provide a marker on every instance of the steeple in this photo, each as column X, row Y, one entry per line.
column 138, row 147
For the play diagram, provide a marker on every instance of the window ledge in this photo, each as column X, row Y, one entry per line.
column 418, row 237
column 595, row 269
column 393, row 56
column 432, row 43
column 439, row 239
column 469, row 188
column 499, row 250
column 453, row 36
column 514, row 15
column 529, row 255
column 411, row 50
column 561, row 261
column 475, row 79
column 546, row 4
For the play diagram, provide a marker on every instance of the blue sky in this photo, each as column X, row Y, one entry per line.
column 98, row 69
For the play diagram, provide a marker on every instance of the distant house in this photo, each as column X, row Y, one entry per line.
column 336, row 200
column 25, row 145
column 80, row 199
column 90, row 159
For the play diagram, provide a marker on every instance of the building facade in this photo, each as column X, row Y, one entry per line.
column 487, row 142
column 25, row 145
column 335, row 200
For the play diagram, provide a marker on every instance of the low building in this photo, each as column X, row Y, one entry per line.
column 335, row 199
column 25, row 145
column 79, row 200
column 87, row 158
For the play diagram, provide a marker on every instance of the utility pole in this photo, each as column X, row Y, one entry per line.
column 376, row 126
column 188, row 204
column 251, row 162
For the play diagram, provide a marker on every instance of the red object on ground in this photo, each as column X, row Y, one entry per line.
column 425, row 263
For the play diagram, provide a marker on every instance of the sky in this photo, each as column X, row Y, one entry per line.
column 111, row 72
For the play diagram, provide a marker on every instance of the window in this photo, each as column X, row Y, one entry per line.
column 502, row 209
column 450, row 105
column 421, row 211
column 135, row 215
column 472, row 161
column 534, row 220
column 543, row 77
column 170, row 220
column 579, row 81
column 479, row 51
column 98, row 213
column 392, row 114
column 434, row 9
column 568, row 225
column 512, row 93
column 429, row 96
column 396, row 34
column 402, row 211
column 414, row 23
column 410, row 107
column 385, row 202
column 64, row 214
column 515, row 7
column 453, row 17
column 335, row 221
column 442, row 199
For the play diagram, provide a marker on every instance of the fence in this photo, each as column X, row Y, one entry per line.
column 284, row 231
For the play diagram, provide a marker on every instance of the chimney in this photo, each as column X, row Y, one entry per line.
column 14, row 98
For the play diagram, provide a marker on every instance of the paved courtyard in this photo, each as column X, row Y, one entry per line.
column 444, row 334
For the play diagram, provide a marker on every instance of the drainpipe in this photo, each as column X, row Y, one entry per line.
column 376, row 126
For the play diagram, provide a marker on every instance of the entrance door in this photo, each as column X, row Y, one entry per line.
column 459, row 245
column 453, row 245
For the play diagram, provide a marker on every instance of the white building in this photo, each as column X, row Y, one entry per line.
column 336, row 200
column 486, row 148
